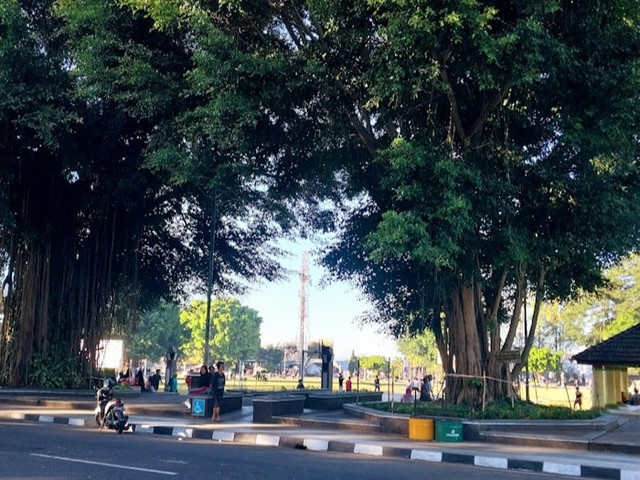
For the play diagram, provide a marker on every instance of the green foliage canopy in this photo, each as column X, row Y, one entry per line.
column 157, row 329
column 543, row 360
column 373, row 363
column 592, row 317
column 419, row 349
column 235, row 330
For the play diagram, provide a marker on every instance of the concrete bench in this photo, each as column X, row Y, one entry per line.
column 325, row 400
column 265, row 408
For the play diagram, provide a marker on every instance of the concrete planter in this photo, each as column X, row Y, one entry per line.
column 265, row 408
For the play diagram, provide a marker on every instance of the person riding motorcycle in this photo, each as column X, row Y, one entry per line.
column 105, row 394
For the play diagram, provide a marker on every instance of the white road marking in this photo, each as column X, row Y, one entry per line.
column 123, row 467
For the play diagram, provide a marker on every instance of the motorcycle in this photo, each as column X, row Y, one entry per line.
column 109, row 412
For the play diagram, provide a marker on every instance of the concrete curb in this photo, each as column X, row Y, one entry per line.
column 132, row 408
column 346, row 447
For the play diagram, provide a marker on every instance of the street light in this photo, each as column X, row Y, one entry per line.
column 526, row 363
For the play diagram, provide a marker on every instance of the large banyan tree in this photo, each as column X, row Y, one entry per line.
column 119, row 182
column 488, row 149
column 83, row 234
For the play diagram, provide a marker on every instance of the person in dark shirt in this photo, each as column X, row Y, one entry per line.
column 425, row 389
column 217, row 389
column 139, row 380
column 205, row 377
column 155, row 380
column 124, row 378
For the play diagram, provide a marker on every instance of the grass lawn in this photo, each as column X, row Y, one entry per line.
column 277, row 383
column 554, row 395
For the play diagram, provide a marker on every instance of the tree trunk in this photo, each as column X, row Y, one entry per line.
column 469, row 338
column 465, row 353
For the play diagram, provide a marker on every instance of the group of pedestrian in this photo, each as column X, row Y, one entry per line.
column 341, row 383
column 152, row 384
column 212, row 381
column 424, row 388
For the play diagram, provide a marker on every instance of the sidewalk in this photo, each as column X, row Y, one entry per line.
column 164, row 414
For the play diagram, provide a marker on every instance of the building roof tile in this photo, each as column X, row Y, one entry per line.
column 622, row 349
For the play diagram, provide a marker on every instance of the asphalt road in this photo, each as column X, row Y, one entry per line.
column 36, row 451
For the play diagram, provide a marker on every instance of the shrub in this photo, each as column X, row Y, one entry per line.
column 498, row 410
column 51, row 373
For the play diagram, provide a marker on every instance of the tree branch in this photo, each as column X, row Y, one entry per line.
column 367, row 138
column 455, row 111
column 515, row 317
column 528, row 343
column 493, row 312
column 487, row 108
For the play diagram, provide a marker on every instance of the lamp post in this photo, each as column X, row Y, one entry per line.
column 526, row 363
column 358, row 382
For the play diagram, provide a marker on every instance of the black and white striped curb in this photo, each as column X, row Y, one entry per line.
column 313, row 444
column 337, row 446
column 34, row 417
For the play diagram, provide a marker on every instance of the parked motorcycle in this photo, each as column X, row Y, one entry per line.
column 109, row 412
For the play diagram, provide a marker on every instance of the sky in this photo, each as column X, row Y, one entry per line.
column 333, row 311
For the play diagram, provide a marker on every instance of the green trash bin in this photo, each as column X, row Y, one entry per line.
column 448, row 431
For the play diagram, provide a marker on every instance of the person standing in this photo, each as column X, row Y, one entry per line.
column 349, row 384
column 376, row 384
column 578, row 401
column 340, row 381
column 155, row 380
column 139, row 380
column 217, row 390
column 425, row 389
